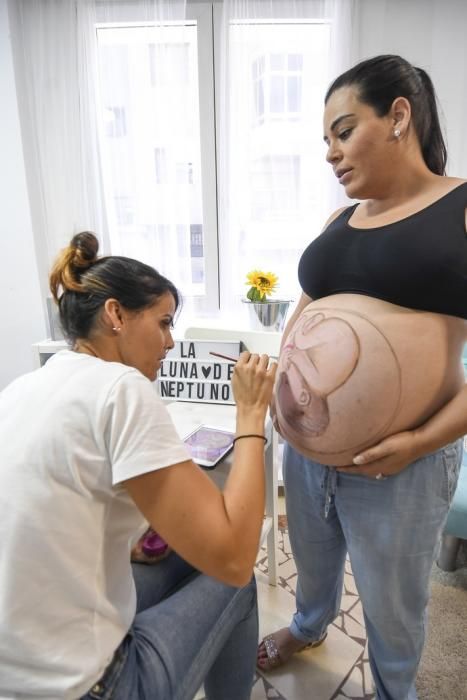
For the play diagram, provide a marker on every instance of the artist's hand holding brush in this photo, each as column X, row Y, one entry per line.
column 218, row 531
column 252, row 382
column 252, row 385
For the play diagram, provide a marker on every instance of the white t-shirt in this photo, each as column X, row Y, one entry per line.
column 70, row 432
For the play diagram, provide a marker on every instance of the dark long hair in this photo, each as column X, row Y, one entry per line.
column 380, row 80
column 81, row 282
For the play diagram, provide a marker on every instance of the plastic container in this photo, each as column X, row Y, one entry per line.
column 153, row 545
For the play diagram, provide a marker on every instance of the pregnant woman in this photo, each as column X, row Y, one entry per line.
column 370, row 393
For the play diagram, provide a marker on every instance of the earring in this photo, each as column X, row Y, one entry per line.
column 397, row 133
column 116, row 329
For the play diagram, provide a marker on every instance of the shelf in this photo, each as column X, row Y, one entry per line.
column 51, row 346
column 44, row 350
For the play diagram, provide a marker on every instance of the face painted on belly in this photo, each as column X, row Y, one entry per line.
column 338, row 383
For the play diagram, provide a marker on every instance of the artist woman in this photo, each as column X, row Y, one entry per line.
column 88, row 457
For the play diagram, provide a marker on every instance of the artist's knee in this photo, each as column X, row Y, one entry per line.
column 249, row 597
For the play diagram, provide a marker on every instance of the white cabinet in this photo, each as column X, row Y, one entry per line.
column 45, row 349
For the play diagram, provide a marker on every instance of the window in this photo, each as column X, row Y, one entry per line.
column 275, row 190
column 277, row 170
column 124, row 210
column 277, row 79
column 166, row 61
column 114, row 121
column 156, row 163
column 203, row 205
column 160, row 163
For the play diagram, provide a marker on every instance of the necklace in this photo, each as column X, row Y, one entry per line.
column 85, row 349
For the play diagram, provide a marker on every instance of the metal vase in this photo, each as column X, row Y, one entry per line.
column 268, row 315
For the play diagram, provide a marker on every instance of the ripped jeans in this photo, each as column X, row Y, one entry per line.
column 390, row 529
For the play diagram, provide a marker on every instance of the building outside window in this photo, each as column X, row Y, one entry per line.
column 162, row 151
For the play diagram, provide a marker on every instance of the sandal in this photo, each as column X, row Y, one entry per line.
column 274, row 659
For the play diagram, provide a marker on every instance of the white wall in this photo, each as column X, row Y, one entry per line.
column 430, row 34
column 22, row 316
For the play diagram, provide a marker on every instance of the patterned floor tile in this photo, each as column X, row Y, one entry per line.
column 339, row 670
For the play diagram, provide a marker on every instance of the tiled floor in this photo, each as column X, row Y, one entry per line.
column 338, row 669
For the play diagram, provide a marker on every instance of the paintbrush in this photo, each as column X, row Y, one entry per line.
column 224, row 357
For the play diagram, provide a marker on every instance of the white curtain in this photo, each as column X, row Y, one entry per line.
column 55, row 79
column 148, row 78
column 75, row 103
column 276, row 190
column 430, row 34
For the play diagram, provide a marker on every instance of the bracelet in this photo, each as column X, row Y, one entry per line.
column 239, row 437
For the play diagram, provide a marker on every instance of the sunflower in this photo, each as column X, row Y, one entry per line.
column 261, row 284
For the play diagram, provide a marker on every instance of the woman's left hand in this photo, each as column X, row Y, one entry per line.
column 388, row 457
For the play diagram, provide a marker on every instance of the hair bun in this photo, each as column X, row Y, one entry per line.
column 85, row 246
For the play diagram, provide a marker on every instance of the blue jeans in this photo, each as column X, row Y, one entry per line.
column 390, row 529
column 189, row 629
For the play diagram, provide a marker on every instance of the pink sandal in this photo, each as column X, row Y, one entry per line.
column 274, row 659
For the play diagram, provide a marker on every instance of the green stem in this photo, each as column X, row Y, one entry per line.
column 255, row 295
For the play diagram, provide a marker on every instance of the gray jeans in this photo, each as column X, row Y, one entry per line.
column 390, row 529
column 189, row 629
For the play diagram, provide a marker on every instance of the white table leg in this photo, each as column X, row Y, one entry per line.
column 271, row 505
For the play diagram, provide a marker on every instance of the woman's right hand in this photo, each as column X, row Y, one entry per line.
column 253, row 381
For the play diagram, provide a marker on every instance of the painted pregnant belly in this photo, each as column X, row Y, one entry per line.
column 339, row 383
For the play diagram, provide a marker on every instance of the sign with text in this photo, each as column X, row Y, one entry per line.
column 191, row 373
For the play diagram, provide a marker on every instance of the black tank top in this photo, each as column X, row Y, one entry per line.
column 419, row 262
